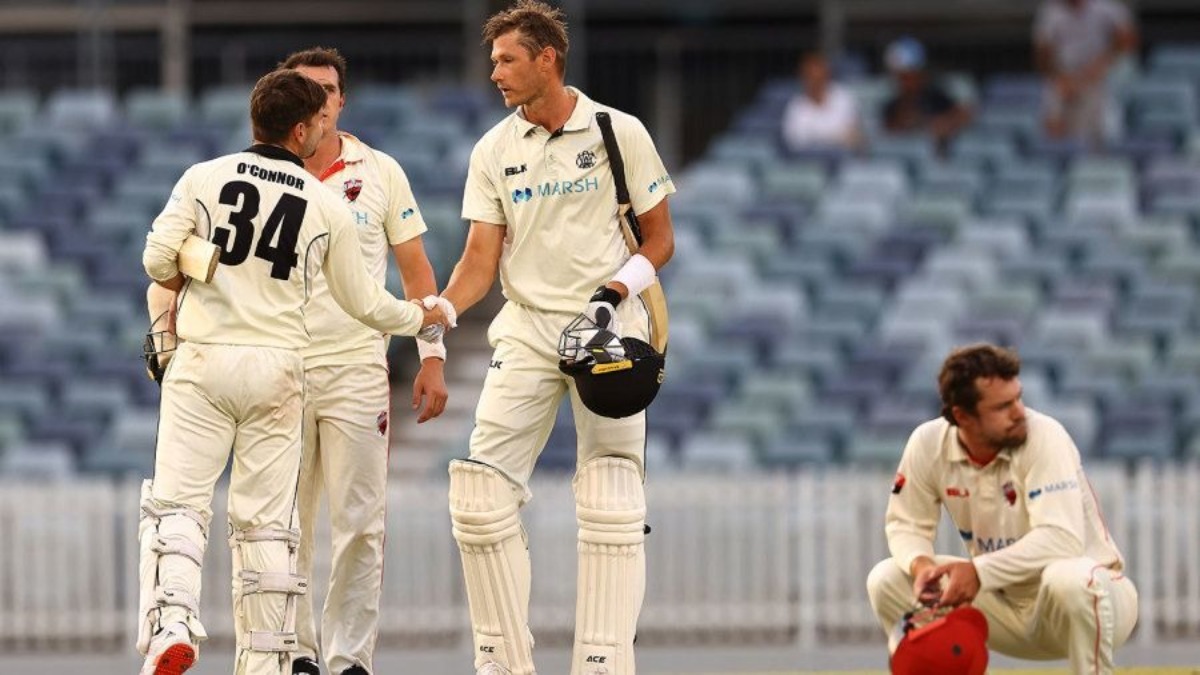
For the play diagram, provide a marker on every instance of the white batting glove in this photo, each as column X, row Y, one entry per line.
column 602, row 310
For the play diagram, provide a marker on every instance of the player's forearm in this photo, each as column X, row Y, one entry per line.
column 380, row 310
column 1025, row 559
column 470, row 283
column 907, row 547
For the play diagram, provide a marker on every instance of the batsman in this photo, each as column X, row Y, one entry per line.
column 542, row 199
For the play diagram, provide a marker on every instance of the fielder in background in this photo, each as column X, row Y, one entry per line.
column 347, row 395
column 543, row 210
column 237, row 378
column 1043, row 568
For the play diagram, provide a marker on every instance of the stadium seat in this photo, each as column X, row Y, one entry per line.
column 718, row 453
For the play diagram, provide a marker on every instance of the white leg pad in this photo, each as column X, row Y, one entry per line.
column 484, row 508
column 610, row 505
column 265, row 586
column 171, row 543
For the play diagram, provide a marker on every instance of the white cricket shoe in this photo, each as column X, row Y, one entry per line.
column 492, row 668
column 171, row 652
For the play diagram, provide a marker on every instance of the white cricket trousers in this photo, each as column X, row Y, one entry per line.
column 346, row 413
column 524, row 387
column 1082, row 612
column 249, row 399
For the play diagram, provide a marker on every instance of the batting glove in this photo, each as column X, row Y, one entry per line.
column 602, row 309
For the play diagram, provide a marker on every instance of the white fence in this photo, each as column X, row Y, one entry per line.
column 771, row 558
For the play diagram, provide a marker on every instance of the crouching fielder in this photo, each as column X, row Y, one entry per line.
column 236, row 378
column 1043, row 568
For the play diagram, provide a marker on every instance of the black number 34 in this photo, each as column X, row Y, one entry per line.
column 277, row 245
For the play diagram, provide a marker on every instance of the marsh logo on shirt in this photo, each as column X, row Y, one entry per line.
column 407, row 213
column 990, row 544
column 522, row 195
column 352, row 188
column 659, row 182
column 1059, row 486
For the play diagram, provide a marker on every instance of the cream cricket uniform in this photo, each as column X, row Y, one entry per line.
column 237, row 382
column 554, row 195
column 1051, row 578
column 346, row 416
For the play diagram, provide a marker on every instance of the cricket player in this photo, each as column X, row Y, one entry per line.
column 237, row 379
column 543, row 211
column 1043, row 568
column 347, row 395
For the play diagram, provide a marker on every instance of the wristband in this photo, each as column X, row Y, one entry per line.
column 637, row 274
column 435, row 350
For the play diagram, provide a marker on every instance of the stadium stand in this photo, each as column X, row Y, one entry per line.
column 812, row 294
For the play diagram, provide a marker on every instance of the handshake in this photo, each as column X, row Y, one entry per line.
column 439, row 317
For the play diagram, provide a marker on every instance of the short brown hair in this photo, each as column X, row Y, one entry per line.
column 319, row 57
column 282, row 99
column 956, row 382
column 539, row 24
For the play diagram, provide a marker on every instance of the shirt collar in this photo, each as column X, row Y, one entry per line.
column 352, row 153
column 275, row 152
column 957, row 453
column 580, row 119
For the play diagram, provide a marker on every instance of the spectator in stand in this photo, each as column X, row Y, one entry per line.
column 919, row 106
column 1076, row 43
column 824, row 115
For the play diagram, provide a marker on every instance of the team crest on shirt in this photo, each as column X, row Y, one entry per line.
column 585, row 159
column 1010, row 493
column 381, row 423
column 352, row 188
column 898, row 485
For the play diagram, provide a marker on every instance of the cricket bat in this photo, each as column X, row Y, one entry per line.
column 198, row 258
column 653, row 296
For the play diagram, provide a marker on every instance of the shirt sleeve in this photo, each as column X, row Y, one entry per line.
column 1053, row 499
column 403, row 220
column 649, row 182
column 481, row 199
column 1043, row 26
column 170, row 229
column 794, row 132
column 359, row 295
column 914, row 508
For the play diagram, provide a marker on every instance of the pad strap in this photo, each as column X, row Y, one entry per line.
column 175, row 597
column 269, row 641
column 175, row 544
column 272, row 582
column 291, row 536
column 157, row 514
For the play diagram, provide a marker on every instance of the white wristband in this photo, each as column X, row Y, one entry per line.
column 435, row 350
column 637, row 274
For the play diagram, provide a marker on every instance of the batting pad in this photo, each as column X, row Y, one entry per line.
column 487, row 526
column 610, row 505
column 171, row 543
column 265, row 586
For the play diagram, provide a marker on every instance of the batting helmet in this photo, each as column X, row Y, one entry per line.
column 942, row 643
column 615, row 376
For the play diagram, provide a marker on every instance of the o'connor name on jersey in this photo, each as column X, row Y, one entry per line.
column 281, row 177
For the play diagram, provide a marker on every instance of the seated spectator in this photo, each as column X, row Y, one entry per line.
column 919, row 106
column 823, row 115
column 1076, row 42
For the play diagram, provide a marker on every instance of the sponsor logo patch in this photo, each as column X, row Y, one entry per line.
column 958, row 492
column 522, row 195
column 898, row 484
column 381, row 422
column 514, row 170
column 585, row 159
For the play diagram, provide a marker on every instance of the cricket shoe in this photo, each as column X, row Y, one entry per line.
column 305, row 666
column 171, row 652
